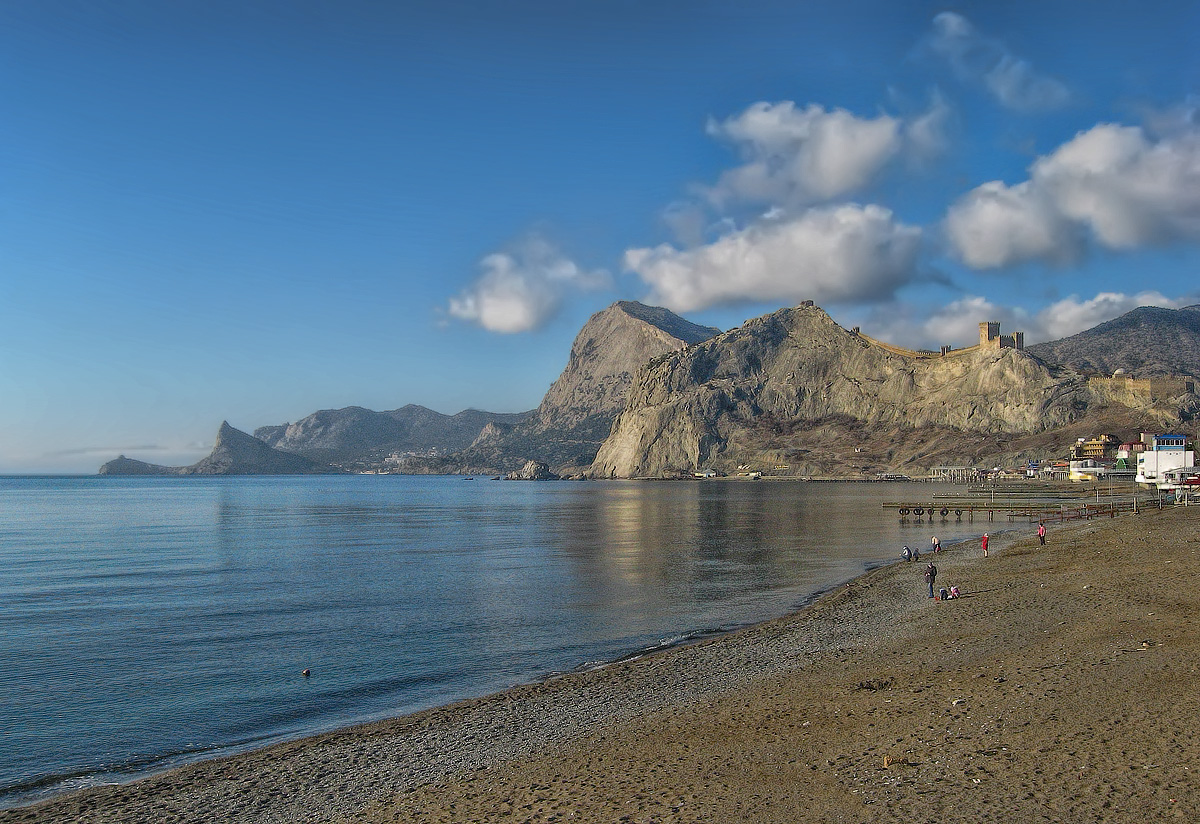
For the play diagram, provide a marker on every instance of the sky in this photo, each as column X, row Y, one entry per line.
column 249, row 211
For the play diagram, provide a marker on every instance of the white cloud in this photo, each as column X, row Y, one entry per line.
column 1011, row 79
column 1111, row 181
column 845, row 254
column 521, row 290
column 996, row 225
column 802, row 156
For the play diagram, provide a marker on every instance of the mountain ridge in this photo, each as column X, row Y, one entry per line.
column 1146, row 342
column 796, row 369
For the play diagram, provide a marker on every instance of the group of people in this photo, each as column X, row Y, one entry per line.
column 915, row 555
column 931, row 570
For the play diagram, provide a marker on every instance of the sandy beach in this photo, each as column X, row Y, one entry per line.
column 1061, row 687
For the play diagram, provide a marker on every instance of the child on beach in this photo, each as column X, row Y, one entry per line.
column 906, row 553
column 1042, row 533
column 937, row 545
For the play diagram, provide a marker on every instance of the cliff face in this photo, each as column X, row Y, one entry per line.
column 749, row 396
column 234, row 453
column 577, row 413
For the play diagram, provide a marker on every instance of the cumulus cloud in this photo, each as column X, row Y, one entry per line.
column 519, row 291
column 996, row 225
column 975, row 58
column 801, row 156
column 848, row 254
column 1111, row 181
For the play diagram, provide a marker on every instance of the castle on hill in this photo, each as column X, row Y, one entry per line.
column 990, row 337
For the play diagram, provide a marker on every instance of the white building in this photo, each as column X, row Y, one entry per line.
column 1166, row 452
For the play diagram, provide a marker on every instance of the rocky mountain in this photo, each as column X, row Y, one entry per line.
column 795, row 391
column 1148, row 342
column 234, row 453
column 355, row 435
column 577, row 413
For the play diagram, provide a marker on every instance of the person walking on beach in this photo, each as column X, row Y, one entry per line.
column 906, row 553
column 937, row 545
column 930, row 577
column 984, row 543
column 1042, row 532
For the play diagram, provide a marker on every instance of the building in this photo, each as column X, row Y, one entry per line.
column 990, row 337
column 1101, row 447
column 1127, row 454
column 1165, row 452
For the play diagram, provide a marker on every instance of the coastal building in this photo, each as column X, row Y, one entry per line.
column 1166, row 452
column 1127, row 454
column 1101, row 447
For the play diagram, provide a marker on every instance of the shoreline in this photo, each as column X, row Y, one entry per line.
column 368, row 769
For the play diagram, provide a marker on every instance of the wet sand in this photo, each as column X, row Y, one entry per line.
column 1062, row 687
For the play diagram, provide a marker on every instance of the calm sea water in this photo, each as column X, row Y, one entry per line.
column 149, row 621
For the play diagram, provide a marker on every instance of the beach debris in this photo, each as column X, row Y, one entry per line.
column 307, row 672
column 958, row 702
column 875, row 684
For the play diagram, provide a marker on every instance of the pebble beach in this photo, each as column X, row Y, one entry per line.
column 1062, row 686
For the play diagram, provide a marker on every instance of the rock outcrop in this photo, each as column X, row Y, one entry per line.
column 234, row 453
column 130, row 466
column 532, row 471
column 754, row 395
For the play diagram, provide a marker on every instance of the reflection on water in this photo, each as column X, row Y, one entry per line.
column 147, row 617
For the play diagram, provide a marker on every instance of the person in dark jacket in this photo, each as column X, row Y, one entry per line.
column 930, row 577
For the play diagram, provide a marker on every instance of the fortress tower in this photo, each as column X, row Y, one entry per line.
column 990, row 337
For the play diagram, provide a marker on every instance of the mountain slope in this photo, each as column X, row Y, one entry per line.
column 1147, row 342
column 754, row 395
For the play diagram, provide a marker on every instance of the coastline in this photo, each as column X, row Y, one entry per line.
column 456, row 763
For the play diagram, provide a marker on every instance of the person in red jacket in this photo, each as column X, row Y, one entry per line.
column 984, row 544
column 1042, row 533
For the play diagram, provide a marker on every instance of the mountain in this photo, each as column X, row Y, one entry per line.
column 1147, row 342
column 577, row 412
column 796, row 391
column 361, row 436
column 234, row 453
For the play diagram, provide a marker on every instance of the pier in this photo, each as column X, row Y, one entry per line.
column 1015, row 502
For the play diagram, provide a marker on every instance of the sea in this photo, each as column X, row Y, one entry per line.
column 149, row 622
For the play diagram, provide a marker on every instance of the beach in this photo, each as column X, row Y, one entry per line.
column 1061, row 687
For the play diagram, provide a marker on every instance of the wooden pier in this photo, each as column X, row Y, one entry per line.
column 1031, row 511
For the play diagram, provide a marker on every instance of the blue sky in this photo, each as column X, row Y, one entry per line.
column 254, row 210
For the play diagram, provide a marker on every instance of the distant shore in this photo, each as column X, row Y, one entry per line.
column 1061, row 687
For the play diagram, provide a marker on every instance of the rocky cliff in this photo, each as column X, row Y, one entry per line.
column 577, row 413
column 234, row 453
column 794, row 390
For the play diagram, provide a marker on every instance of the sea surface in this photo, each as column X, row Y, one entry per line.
column 147, row 622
